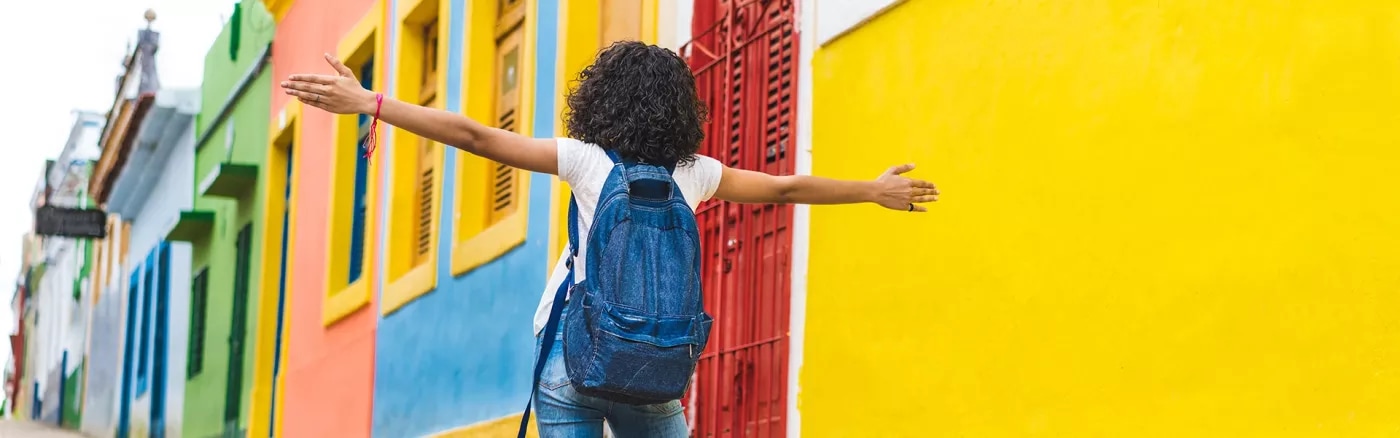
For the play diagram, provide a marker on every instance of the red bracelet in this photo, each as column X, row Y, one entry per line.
column 373, row 136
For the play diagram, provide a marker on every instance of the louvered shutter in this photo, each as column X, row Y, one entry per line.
column 503, row 184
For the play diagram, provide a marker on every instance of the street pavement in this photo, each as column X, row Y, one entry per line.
column 25, row 429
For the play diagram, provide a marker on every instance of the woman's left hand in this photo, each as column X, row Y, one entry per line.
column 898, row 192
column 340, row 93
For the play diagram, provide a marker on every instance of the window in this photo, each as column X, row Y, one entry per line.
column 359, row 206
column 617, row 20
column 199, row 311
column 147, row 308
column 160, row 359
column 275, row 272
column 129, row 350
column 413, row 218
column 491, row 218
column 238, row 323
column 503, row 183
column 426, row 159
column 501, row 179
column 510, row 14
column 621, row 20
column 352, row 189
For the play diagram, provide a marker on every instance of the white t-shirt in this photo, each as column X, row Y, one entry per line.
column 586, row 167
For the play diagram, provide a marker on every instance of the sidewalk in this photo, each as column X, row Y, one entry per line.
column 24, row 429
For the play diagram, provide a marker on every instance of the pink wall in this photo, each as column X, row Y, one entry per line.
column 330, row 372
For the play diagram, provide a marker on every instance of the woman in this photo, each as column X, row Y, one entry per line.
column 639, row 101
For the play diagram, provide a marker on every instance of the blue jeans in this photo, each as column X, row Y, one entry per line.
column 564, row 413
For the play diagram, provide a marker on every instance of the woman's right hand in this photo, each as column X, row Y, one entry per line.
column 897, row 192
column 340, row 93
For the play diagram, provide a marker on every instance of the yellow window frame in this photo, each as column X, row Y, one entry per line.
column 476, row 243
column 411, row 275
column 584, row 31
column 364, row 41
column 285, row 132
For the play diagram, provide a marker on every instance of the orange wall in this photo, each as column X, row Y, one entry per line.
column 330, row 369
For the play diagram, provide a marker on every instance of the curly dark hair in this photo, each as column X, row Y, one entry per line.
column 640, row 101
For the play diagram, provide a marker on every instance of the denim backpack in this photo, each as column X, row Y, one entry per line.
column 636, row 324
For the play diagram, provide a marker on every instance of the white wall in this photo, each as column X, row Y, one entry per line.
column 106, row 338
column 105, row 342
column 836, row 17
column 61, row 325
column 173, row 193
column 62, row 318
column 673, row 30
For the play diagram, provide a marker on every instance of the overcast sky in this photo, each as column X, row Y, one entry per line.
column 65, row 55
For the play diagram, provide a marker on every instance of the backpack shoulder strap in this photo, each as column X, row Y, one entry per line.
column 551, row 326
column 573, row 229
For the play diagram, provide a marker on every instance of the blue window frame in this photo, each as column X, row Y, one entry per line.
column 357, row 224
column 161, row 339
column 143, row 363
column 128, row 350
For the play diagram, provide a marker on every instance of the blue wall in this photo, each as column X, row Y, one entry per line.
column 462, row 354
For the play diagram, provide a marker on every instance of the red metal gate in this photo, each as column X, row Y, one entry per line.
column 744, row 57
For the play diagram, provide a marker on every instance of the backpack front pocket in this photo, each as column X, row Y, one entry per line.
column 636, row 358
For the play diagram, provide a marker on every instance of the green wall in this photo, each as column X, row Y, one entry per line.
column 205, row 392
column 72, row 398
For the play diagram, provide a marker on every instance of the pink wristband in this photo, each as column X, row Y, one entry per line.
column 373, row 136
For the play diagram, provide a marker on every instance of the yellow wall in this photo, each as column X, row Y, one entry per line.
column 500, row 427
column 1160, row 218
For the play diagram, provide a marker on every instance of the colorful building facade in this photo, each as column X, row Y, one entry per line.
column 58, row 286
column 325, row 201
column 61, row 186
column 458, row 246
column 107, row 331
column 467, row 243
column 13, row 373
column 441, row 246
column 1156, row 217
column 226, row 226
column 21, row 396
column 487, row 244
column 151, row 192
column 139, row 309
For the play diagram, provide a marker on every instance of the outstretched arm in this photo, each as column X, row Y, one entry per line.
column 342, row 94
column 891, row 190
